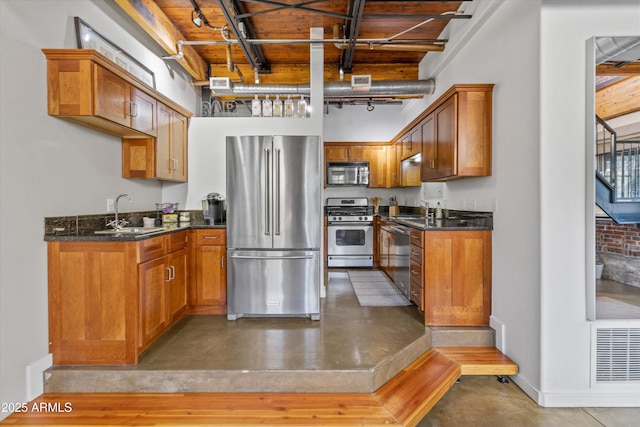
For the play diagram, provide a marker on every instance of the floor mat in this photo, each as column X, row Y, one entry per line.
column 374, row 289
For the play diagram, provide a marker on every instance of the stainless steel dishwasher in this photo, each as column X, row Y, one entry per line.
column 402, row 259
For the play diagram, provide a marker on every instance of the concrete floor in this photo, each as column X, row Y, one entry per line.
column 348, row 349
column 484, row 402
column 618, row 291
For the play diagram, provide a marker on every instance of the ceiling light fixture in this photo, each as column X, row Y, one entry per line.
column 370, row 106
column 195, row 18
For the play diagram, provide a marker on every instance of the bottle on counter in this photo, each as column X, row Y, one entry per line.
column 267, row 107
column 277, row 107
column 256, row 107
column 288, row 107
column 438, row 211
column 302, row 107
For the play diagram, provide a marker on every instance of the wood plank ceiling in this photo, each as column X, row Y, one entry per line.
column 617, row 76
column 408, row 29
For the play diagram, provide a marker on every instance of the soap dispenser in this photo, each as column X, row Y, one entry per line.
column 438, row 211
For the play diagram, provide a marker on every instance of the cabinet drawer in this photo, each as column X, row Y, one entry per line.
column 417, row 294
column 214, row 237
column 177, row 241
column 416, row 254
column 151, row 248
column 415, row 271
column 416, row 237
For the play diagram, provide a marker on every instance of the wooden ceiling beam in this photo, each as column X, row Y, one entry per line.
column 619, row 98
column 155, row 22
column 632, row 69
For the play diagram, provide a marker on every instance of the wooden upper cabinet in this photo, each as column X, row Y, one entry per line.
column 359, row 153
column 374, row 153
column 86, row 88
column 118, row 101
column 378, row 166
column 393, row 171
column 346, row 153
column 411, row 142
column 171, row 145
column 456, row 134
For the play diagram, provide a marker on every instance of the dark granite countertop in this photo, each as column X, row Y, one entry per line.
column 452, row 220
column 82, row 228
column 444, row 224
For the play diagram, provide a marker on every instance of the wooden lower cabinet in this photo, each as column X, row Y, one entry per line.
column 416, row 260
column 109, row 300
column 153, row 300
column 457, row 278
column 208, row 271
column 163, row 294
column 450, row 273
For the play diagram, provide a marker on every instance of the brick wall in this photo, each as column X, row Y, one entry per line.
column 623, row 239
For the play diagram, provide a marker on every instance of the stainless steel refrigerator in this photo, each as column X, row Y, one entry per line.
column 274, row 228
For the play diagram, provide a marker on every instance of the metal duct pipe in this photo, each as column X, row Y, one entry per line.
column 342, row 89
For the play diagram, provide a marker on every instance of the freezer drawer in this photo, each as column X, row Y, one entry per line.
column 273, row 283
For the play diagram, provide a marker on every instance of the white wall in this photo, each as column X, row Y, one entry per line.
column 49, row 167
column 565, row 28
column 534, row 52
column 504, row 51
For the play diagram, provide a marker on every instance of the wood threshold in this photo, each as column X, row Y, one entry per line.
column 403, row 400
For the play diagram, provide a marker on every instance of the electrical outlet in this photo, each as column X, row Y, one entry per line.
column 110, row 206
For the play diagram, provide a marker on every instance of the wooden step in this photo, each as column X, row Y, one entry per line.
column 417, row 388
column 480, row 360
column 404, row 400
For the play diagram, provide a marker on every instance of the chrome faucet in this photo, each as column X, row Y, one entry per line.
column 116, row 223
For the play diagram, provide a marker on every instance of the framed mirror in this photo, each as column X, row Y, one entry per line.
column 613, row 180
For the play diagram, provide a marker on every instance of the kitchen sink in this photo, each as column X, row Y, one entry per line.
column 131, row 230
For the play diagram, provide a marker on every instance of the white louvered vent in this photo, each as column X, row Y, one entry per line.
column 361, row 83
column 617, row 355
column 219, row 83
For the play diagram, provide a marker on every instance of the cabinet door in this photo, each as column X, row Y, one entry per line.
column 415, row 141
column 112, row 97
column 358, row 153
column 336, row 153
column 164, row 166
column 446, row 137
column 429, row 148
column 377, row 167
column 457, row 278
column 393, row 174
column 143, row 116
column 211, row 275
column 179, row 147
column 153, row 276
column 177, row 285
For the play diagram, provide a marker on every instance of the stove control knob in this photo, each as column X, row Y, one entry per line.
column 334, row 218
column 360, row 218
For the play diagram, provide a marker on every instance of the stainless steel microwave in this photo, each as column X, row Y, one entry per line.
column 348, row 173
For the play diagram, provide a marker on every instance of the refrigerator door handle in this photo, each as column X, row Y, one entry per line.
column 271, row 257
column 277, row 190
column 267, row 199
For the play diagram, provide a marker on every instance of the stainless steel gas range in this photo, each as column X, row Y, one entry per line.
column 349, row 232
